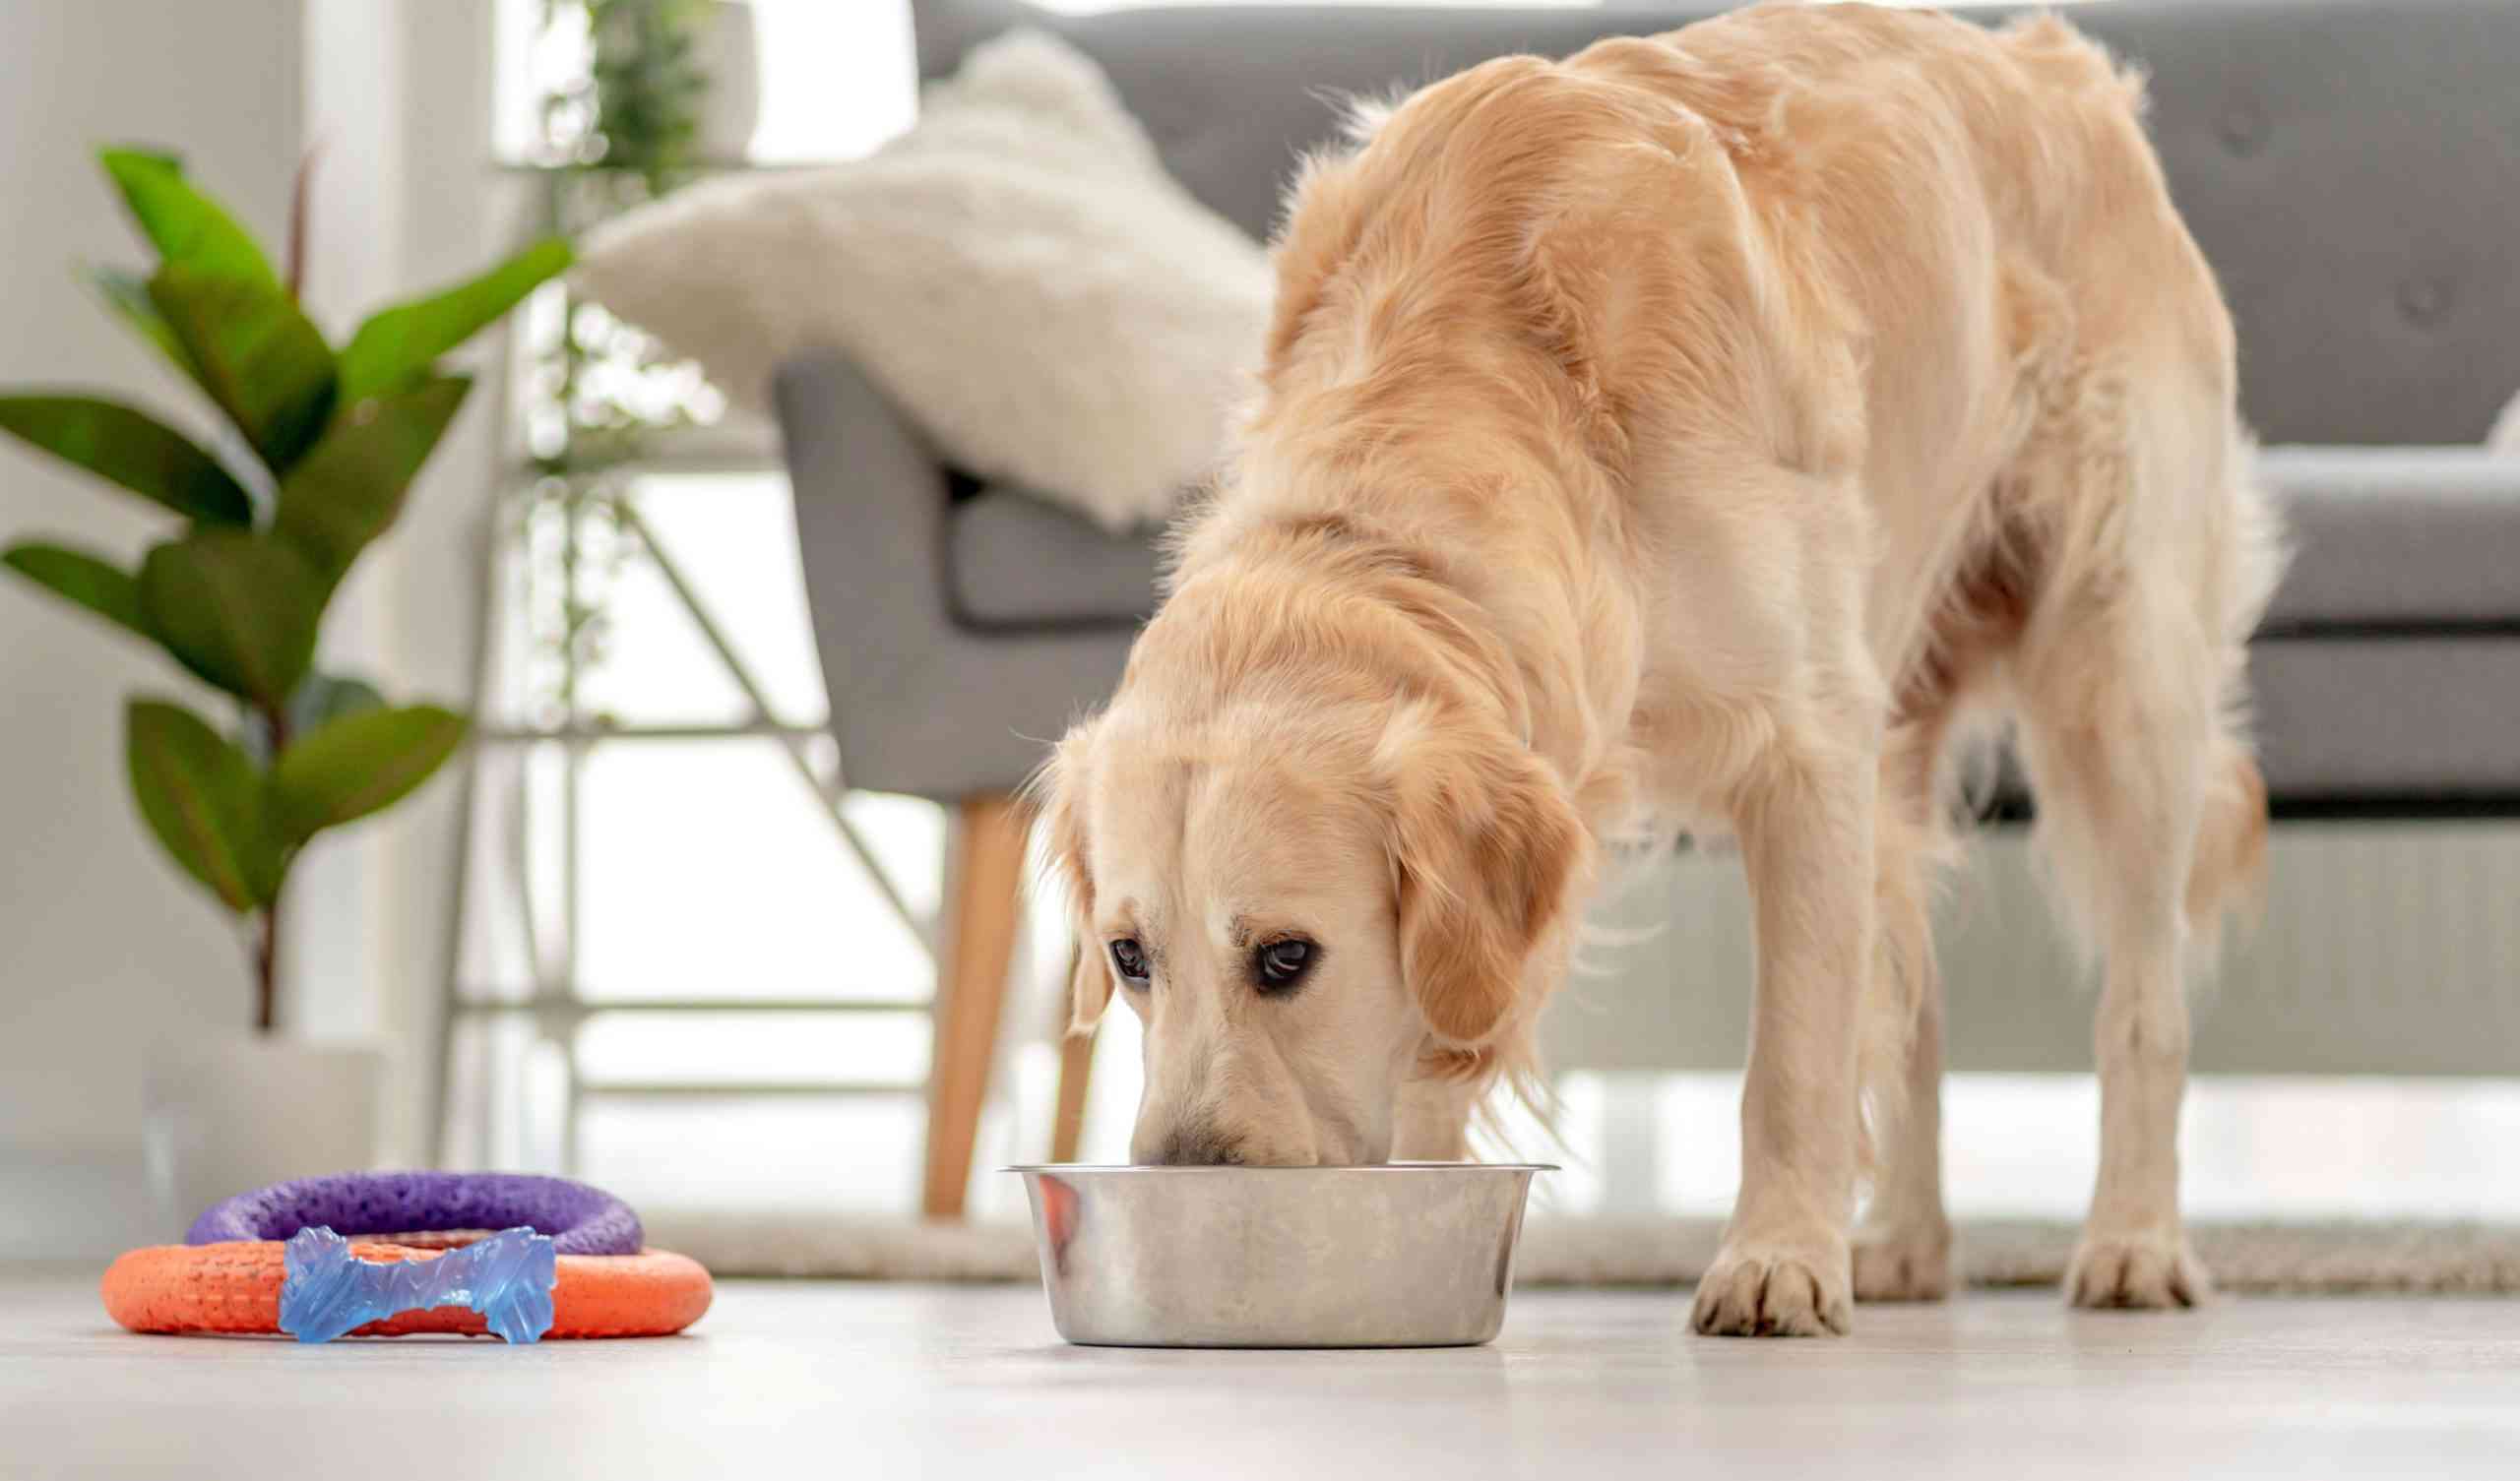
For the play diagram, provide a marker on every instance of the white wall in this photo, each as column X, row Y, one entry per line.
column 102, row 944
column 441, row 217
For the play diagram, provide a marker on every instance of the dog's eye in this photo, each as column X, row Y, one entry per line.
column 1281, row 964
column 1129, row 957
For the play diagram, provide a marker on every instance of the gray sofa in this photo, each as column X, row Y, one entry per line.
column 2351, row 166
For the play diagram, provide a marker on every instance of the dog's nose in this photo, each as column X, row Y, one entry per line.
column 1198, row 1147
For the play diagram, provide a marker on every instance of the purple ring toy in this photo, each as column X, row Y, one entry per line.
column 577, row 1219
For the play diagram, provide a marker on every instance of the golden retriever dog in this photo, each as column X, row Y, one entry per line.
column 1715, row 430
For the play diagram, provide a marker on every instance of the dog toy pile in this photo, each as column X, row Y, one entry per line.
column 568, row 1260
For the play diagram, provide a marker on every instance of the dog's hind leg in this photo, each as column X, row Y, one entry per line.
column 1903, row 1246
column 2126, row 689
column 2116, row 760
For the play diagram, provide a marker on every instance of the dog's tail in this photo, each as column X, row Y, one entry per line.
column 2228, row 876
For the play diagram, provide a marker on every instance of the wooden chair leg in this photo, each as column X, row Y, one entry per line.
column 1076, row 1074
column 983, row 898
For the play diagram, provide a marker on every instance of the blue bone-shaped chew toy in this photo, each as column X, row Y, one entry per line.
column 328, row 1292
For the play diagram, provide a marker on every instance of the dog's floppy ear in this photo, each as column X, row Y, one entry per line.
column 1053, row 792
column 1089, row 986
column 1484, row 849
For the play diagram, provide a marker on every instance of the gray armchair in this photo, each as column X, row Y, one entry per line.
column 2351, row 166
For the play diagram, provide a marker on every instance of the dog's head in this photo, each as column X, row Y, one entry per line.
column 1307, row 901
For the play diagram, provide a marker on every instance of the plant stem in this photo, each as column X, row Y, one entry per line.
column 267, row 943
column 296, row 266
column 267, row 970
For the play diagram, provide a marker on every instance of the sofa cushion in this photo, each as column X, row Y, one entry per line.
column 1017, row 563
column 2423, row 538
column 2386, row 677
column 2397, row 720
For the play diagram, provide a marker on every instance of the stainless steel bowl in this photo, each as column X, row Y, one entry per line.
column 1409, row 1255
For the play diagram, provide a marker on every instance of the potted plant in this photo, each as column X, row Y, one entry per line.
column 326, row 442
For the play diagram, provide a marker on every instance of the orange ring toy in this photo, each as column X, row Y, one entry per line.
column 234, row 1288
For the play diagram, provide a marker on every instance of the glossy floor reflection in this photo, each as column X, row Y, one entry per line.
column 888, row 1381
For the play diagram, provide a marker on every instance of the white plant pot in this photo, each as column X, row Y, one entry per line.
column 727, row 50
column 228, row 1113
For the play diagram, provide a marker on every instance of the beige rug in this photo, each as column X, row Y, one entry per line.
column 2321, row 1258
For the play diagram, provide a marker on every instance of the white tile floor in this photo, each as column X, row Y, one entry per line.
column 892, row 1381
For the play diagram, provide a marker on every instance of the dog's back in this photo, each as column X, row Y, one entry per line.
column 1866, row 352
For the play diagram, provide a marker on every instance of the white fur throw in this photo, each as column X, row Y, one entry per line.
column 1017, row 272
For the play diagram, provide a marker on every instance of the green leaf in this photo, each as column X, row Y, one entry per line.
column 237, row 609
column 260, row 358
column 320, row 699
column 325, row 698
column 102, row 588
column 127, row 294
column 125, row 446
column 203, row 801
column 400, row 344
column 359, row 764
column 185, row 225
column 349, row 487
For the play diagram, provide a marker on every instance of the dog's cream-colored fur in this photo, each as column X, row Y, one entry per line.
column 1720, row 429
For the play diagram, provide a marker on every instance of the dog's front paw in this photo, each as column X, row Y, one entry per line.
column 1903, row 1263
column 2136, row 1272
column 1772, row 1288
